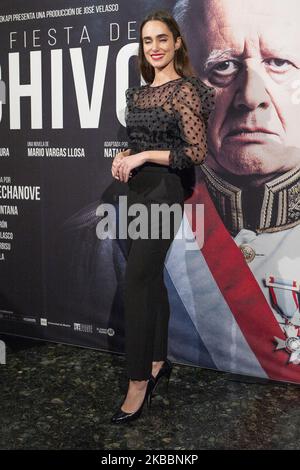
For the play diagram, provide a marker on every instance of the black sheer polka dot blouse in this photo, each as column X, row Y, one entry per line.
column 172, row 116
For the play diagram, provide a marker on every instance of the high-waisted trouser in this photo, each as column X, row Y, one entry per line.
column 146, row 303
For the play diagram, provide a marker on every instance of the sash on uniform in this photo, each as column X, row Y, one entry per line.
column 241, row 290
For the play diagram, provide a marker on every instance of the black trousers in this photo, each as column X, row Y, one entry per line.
column 146, row 303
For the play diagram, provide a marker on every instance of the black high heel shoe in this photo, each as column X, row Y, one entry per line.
column 164, row 371
column 122, row 417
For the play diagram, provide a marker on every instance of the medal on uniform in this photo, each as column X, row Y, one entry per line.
column 284, row 296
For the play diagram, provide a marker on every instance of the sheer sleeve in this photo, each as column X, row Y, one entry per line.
column 192, row 103
column 129, row 96
column 129, row 100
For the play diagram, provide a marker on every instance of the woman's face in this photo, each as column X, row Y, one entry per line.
column 158, row 44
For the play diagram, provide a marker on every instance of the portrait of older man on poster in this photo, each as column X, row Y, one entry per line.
column 250, row 182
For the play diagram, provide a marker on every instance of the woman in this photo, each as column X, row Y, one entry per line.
column 166, row 130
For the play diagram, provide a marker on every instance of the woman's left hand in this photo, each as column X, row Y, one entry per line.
column 129, row 163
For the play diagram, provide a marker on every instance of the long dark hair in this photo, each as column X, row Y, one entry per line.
column 182, row 62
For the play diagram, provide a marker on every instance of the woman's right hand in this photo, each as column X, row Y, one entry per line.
column 116, row 162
